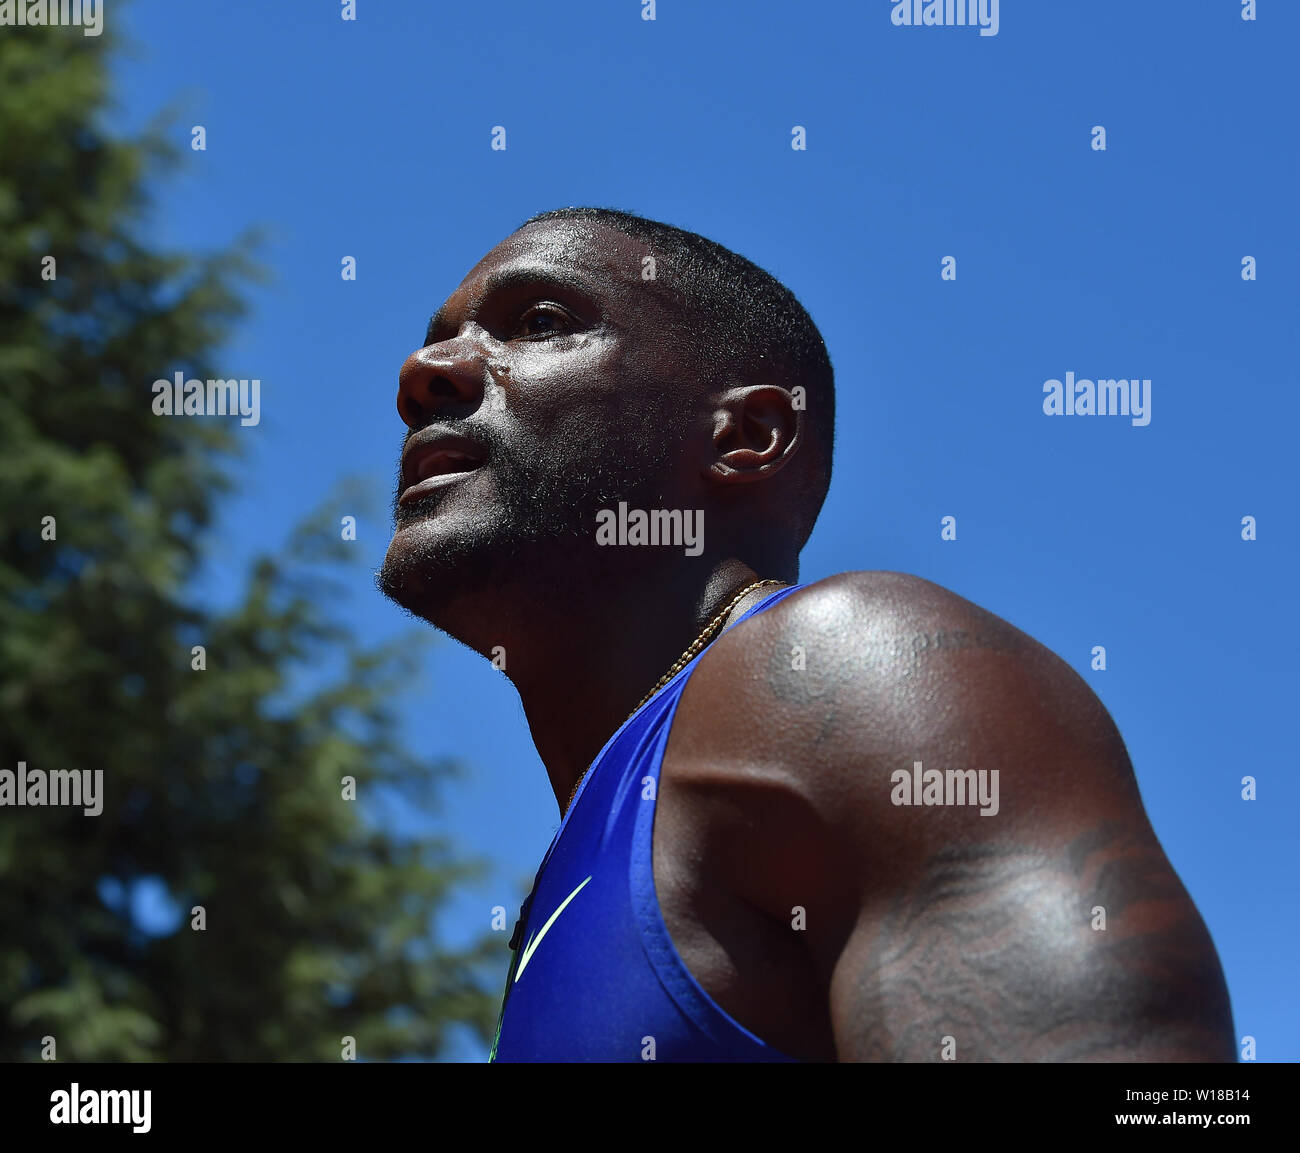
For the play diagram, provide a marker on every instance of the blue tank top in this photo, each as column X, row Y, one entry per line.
column 595, row 975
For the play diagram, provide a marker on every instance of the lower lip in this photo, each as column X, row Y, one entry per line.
column 433, row 483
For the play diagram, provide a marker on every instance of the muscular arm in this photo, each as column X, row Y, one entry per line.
column 936, row 931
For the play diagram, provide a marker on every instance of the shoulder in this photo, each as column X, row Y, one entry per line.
column 855, row 611
column 887, row 648
column 948, row 813
column 865, row 620
column 947, row 808
column 801, row 724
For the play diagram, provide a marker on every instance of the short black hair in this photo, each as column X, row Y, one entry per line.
column 741, row 319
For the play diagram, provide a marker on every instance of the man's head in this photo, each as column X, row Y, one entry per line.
column 594, row 357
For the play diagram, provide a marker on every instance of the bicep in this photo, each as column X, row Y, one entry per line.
column 1005, row 951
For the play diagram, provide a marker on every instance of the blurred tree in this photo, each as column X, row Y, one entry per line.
column 223, row 789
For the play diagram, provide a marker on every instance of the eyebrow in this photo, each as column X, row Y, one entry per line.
column 528, row 276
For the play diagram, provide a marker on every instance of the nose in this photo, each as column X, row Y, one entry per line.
column 438, row 377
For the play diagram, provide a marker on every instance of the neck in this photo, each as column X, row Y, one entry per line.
column 583, row 651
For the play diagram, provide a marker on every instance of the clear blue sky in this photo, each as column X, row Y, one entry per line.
column 371, row 139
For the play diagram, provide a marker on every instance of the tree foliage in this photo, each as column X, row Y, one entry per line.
column 222, row 786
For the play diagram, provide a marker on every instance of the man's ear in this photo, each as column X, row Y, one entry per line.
column 756, row 430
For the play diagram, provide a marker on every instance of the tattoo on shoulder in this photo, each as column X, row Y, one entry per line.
column 1008, row 953
column 919, row 644
column 799, row 673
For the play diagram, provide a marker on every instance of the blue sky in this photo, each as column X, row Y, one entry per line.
column 371, row 139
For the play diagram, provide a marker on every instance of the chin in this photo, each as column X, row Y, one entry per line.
column 427, row 568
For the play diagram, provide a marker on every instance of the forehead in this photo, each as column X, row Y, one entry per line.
column 594, row 261
column 581, row 244
column 602, row 259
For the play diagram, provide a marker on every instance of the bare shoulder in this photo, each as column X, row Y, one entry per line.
column 885, row 616
column 832, row 696
column 955, row 812
column 866, row 661
column 807, row 712
column 880, row 615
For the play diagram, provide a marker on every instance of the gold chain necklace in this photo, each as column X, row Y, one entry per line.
column 692, row 650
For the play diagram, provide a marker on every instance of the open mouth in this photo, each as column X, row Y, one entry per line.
column 437, row 463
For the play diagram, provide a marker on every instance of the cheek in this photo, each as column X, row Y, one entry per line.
column 603, row 400
column 572, row 397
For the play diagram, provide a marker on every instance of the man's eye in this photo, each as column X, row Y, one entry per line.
column 541, row 320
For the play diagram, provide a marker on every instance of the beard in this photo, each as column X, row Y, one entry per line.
column 537, row 512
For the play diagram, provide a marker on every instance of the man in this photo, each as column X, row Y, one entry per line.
column 858, row 819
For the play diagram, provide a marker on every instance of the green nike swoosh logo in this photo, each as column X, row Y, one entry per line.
column 530, row 946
